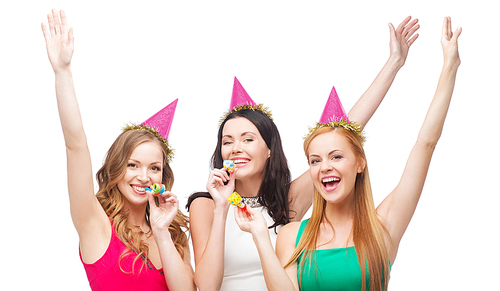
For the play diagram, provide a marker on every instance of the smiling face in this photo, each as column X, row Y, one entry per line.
column 144, row 168
column 242, row 143
column 333, row 166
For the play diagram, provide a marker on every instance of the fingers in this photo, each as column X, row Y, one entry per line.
column 412, row 40
column 392, row 31
column 57, row 22
column 151, row 199
column 448, row 34
column 167, row 197
column 221, row 177
column 403, row 24
column 406, row 30
column 46, row 33
column 58, row 25
column 71, row 38
column 456, row 34
column 64, row 23
column 446, row 28
column 413, row 28
column 50, row 20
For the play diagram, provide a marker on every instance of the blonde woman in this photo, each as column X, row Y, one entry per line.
column 348, row 244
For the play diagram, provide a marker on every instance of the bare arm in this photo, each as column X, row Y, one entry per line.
column 177, row 270
column 88, row 216
column 398, row 208
column 277, row 278
column 300, row 196
column 401, row 40
column 208, row 230
column 301, row 189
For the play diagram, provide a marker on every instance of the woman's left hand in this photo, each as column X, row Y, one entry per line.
column 250, row 221
column 162, row 215
column 449, row 42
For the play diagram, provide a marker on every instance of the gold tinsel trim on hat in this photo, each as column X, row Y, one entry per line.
column 258, row 107
column 352, row 126
column 170, row 151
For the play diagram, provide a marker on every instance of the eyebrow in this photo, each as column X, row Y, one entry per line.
column 242, row 134
column 330, row 153
column 138, row 162
column 333, row 151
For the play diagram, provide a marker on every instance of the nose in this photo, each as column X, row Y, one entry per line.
column 143, row 176
column 326, row 166
column 236, row 148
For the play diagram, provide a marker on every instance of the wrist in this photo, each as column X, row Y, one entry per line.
column 66, row 71
column 161, row 234
column 261, row 236
column 221, row 208
column 395, row 61
column 451, row 64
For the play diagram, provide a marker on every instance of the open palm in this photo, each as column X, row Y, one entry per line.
column 59, row 40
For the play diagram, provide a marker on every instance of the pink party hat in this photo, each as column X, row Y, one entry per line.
column 159, row 124
column 334, row 111
column 334, row 116
column 240, row 96
column 240, row 100
column 162, row 120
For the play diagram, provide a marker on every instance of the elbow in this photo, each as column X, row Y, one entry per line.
column 205, row 285
column 428, row 142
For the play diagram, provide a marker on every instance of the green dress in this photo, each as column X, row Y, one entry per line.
column 335, row 269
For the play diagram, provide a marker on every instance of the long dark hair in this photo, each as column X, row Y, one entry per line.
column 273, row 192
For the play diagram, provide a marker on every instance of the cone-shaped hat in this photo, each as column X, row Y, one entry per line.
column 334, row 116
column 162, row 120
column 334, row 111
column 240, row 96
column 240, row 100
column 159, row 124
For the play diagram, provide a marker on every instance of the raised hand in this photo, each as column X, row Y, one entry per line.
column 59, row 40
column 162, row 215
column 449, row 42
column 402, row 38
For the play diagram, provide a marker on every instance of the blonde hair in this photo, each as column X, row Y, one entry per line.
column 112, row 201
column 367, row 231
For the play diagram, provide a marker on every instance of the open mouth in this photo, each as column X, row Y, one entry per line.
column 330, row 183
column 138, row 189
column 241, row 162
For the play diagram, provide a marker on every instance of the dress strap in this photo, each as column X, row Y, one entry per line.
column 303, row 225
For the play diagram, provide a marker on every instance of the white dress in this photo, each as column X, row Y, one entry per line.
column 242, row 268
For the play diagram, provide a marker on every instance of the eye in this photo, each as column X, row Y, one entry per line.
column 227, row 142
column 156, row 168
column 131, row 165
column 248, row 140
column 313, row 161
column 336, row 157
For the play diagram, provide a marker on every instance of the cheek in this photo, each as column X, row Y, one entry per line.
column 224, row 151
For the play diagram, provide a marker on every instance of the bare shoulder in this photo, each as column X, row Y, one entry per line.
column 201, row 207
column 289, row 231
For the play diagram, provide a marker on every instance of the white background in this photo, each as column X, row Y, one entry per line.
column 132, row 59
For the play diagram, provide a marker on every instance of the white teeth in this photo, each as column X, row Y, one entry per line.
column 331, row 179
column 140, row 189
column 239, row 161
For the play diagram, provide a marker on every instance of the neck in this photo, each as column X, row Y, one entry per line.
column 340, row 213
column 137, row 217
column 248, row 187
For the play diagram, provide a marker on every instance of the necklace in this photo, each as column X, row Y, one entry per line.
column 251, row 201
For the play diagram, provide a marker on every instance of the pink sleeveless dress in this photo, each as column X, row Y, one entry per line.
column 105, row 273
